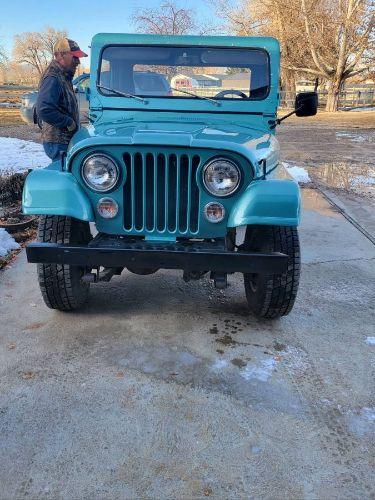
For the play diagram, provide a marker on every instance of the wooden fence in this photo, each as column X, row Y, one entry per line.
column 348, row 99
column 10, row 95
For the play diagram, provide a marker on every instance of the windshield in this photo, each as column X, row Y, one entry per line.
column 185, row 72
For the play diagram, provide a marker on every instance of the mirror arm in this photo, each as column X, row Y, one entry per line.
column 279, row 120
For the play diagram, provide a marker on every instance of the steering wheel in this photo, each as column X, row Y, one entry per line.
column 233, row 92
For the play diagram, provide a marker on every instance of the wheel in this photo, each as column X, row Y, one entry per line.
column 272, row 296
column 61, row 285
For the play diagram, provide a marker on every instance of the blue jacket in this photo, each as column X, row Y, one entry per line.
column 57, row 106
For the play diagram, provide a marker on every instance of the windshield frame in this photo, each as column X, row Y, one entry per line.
column 187, row 46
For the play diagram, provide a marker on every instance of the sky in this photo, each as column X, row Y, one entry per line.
column 82, row 19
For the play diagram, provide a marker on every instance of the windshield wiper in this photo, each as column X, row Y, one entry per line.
column 217, row 103
column 122, row 94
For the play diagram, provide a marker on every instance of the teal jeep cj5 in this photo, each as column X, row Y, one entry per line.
column 178, row 169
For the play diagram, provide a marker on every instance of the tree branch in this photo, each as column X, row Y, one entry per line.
column 306, row 70
column 318, row 63
column 354, row 73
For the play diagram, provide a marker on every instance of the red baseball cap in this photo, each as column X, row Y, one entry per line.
column 67, row 45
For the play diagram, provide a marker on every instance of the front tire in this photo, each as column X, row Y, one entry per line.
column 272, row 296
column 61, row 285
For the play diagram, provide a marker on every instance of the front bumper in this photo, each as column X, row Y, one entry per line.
column 107, row 251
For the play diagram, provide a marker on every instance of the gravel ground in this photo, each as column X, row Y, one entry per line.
column 25, row 132
column 166, row 389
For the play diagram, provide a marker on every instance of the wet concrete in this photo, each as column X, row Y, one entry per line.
column 351, row 177
column 165, row 389
column 340, row 161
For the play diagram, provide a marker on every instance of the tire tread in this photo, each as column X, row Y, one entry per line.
column 58, row 282
column 279, row 291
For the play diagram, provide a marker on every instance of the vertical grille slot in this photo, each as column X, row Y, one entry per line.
column 138, row 191
column 184, row 189
column 128, row 212
column 161, row 190
column 172, row 192
column 194, row 195
column 161, row 193
column 149, row 199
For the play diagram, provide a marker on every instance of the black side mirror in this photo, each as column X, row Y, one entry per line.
column 306, row 104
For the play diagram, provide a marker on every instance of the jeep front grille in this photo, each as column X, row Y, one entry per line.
column 161, row 194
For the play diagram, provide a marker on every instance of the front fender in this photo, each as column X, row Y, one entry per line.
column 52, row 192
column 267, row 202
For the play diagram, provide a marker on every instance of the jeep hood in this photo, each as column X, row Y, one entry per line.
column 254, row 143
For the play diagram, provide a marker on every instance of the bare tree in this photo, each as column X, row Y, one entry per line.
column 36, row 48
column 347, row 29
column 3, row 55
column 3, row 63
column 275, row 18
column 167, row 19
column 328, row 39
column 49, row 37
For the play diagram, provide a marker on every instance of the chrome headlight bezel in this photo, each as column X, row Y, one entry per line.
column 233, row 164
column 91, row 185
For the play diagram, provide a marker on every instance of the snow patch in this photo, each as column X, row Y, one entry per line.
column 370, row 340
column 368, row 414
column 352, row 136
column 262, row 372
column 7, row 243
column 219, row 365
column 299, row 174
column 9, row 105
column 362, row 423
column 365, row 180
column 17, row 155
column 369, row 108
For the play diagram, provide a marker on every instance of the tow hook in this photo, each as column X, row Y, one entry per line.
column 220, row 280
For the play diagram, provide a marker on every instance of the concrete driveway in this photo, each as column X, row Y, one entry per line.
column 162, row 389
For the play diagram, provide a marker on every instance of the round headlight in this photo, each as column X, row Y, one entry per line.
column 221, row 177
column 100, row 172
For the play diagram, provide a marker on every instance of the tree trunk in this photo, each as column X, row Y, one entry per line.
column 290, row 81
column 333, row 96
column 288, row 87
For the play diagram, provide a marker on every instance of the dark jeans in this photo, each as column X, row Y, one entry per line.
column 53, row 149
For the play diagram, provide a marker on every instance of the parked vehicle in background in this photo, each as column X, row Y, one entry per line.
column 173, row 181
column 28, row 101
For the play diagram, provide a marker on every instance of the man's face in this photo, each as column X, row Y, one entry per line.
column 68, row 61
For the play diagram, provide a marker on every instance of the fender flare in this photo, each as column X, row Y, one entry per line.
column 267, row 202
column 52, row 192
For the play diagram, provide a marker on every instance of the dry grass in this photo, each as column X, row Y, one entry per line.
column 10, row 116
column 12, row 95
column 340, row 119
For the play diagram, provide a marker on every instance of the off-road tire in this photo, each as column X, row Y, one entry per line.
column 61, row 285
column 272, row 296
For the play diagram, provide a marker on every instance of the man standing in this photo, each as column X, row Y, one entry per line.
column 57, row 107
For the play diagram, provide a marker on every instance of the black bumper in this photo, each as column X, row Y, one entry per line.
column 190, row 256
